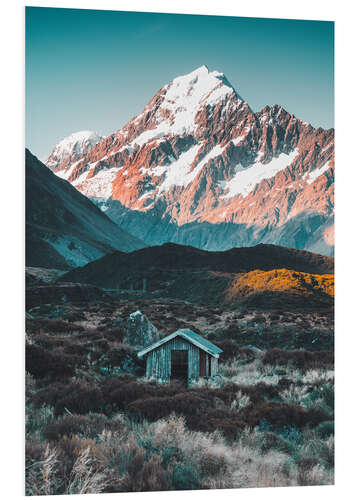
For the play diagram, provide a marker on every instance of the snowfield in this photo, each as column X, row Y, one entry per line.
column 245, row 179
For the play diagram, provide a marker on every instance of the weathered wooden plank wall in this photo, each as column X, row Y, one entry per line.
column 214, row 366
column 158, row 361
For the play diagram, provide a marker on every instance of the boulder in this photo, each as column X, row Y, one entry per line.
column 139, row 331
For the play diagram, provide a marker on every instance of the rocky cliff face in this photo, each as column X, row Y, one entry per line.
column 198, row 167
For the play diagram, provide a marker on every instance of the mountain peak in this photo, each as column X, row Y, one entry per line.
column 71, row 148
column 201, row 78
column 198, row 154
column 200, row 70
column 78, row 137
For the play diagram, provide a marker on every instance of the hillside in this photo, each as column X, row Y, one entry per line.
column 281, row 286
column 188, row 273
column 63, row 227
column 111, row 269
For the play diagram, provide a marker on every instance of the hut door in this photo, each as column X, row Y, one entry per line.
column 179, row 365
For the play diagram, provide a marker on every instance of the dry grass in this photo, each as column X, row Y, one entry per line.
column 280, row 280
column 165, row 455
column 206, row 437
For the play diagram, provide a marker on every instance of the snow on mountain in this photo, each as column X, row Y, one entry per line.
column 314, row 174
column 70, row 149
column 245, row 179
column 197, row 154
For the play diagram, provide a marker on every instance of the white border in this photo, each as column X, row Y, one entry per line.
column 12, row 241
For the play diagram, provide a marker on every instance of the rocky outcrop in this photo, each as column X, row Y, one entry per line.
column 197, row 154
column 139, row 331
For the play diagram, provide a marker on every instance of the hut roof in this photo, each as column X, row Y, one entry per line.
column 188, row 335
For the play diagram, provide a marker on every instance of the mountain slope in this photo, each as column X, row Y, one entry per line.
column 197, row 154
column 63, row 227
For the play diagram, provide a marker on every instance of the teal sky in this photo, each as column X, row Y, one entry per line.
column 94, row 70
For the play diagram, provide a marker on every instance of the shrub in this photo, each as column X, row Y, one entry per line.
column 279, row 415
column 82, row 398
column 184, row 477
column 78, row 397
column 51, row 393
column 270, row 441
column 153, row 408
column 119, row 359
column 114, row 334
column 37, row 417
column 322, row 393
column 52, row 326
column 41, row 363
column 127, row 393
column 222, row 420
column 90, row 425
column 231, row 350
column 301, row 359
column 326, row 429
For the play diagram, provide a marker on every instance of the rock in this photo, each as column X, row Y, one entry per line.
column 139, row 331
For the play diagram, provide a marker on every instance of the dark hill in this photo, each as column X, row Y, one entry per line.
column 64, row 228
column 111, row 270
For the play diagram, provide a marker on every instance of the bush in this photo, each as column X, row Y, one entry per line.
column 231, row 350
column 184, row 477
column 271, row 441
column 326, row 429
column 304, row 360
column 114, row 334
column 280, row 415
column 51, row 326
column 324, row 393
column 120, row 359
column 41, row 363
column 89, row 425
column 153, row 408
column 221, row 419
column 82, row 398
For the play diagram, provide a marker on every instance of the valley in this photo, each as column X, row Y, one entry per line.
column 272, row 402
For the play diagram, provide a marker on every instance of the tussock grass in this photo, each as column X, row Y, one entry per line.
column 166, row 455
column 266, row 420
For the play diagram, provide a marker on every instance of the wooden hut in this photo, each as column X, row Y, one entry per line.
column 183, row 355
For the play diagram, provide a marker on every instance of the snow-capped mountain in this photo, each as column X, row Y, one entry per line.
column 197, row 166
column 71, row 149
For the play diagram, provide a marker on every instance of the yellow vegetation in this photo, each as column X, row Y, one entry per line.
column 280, row 280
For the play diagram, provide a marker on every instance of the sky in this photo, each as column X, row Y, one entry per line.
column 95, row 70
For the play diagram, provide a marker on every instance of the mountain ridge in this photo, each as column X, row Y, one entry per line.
column 264, row 275
column 197, row 153
column 180, row 257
